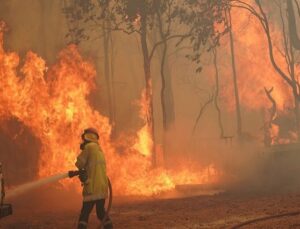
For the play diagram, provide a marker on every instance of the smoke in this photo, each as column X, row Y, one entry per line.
column 34, row 184
column 248, row 168
column 245, row 168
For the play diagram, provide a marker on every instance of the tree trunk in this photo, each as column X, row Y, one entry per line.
column 148, row 82
column 167, row 101
column 295, row 89
column 112, row 84
column 297, row 110
column 236, row 90
column 293, row 43
column 290, row 79
column 216, row 96
column 166, row 93
column 292, row 25
column 107, row 75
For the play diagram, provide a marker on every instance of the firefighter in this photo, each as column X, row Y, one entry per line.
column 94, row 180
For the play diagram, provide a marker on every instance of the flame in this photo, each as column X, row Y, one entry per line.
column 254, row 68
column 53, row 103
column 145, row 142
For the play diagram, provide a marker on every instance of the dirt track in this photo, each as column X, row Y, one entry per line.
column 47, row 209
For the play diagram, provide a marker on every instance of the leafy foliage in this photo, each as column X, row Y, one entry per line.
column 206, row 22
column 201, row 22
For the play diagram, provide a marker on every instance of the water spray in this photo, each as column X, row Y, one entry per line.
column 6, row 209
column 35, row 184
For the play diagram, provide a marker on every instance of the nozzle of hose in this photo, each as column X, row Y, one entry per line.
column 83, row 176
column 73, row 173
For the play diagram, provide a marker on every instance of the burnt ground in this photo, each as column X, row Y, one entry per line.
column 52, row 208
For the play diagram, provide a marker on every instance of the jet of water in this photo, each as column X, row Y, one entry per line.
column 34, row 184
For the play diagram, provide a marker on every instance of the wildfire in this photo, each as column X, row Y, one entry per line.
column 255, row 71
column 253, row 64
column 52, row 102
column 144, row 143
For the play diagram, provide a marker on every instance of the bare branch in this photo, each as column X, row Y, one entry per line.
column 274, row 105
column 246, row 6
column 202, row 110
column 163, row 41
column 270, row 45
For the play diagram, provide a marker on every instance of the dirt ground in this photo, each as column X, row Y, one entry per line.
column 52, row 208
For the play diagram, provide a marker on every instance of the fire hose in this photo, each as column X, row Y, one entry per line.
column 265, row 218
column 83, row 177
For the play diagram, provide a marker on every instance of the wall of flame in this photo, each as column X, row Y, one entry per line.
column 53, row 103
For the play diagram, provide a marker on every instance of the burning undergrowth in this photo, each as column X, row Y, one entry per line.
column 53, row 104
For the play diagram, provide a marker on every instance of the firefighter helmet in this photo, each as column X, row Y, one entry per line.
column 90, row 134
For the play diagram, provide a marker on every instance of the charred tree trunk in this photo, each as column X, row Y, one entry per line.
column 292, row 25
column 148, row 82
column 236, row 89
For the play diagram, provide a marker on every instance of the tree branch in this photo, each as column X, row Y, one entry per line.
column 270, row 45
column 202, row 110
column 163, row 41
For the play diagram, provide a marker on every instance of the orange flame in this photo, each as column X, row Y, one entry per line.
column 53, row 103
column 144, row 143
column 254, row 69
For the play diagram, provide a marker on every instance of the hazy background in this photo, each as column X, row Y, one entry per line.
column 41, row 26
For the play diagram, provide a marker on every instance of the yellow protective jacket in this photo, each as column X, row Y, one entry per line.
column 92, row 160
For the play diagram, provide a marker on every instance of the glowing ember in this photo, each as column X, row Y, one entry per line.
column 53, row 104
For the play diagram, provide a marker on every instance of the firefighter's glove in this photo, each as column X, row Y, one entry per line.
column 83, row 177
